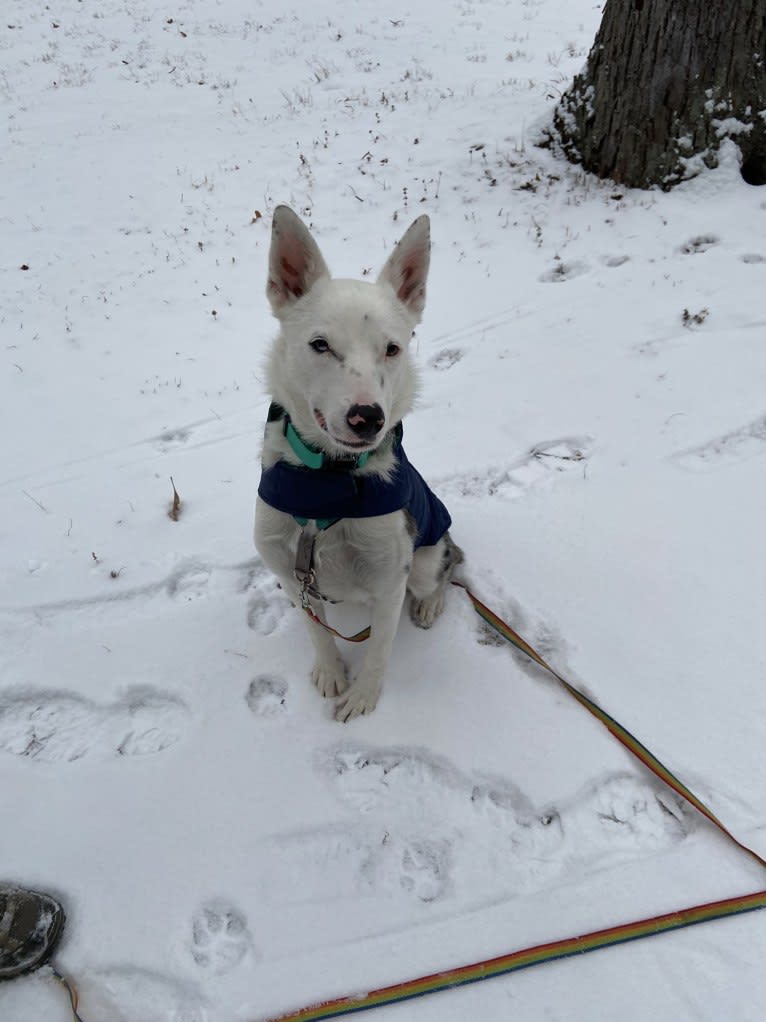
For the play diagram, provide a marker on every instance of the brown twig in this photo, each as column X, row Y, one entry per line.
column 174, row 512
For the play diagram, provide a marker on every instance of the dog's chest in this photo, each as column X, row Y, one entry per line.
column 354, row 560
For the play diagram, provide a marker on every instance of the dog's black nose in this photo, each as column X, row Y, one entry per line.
column 366, row 420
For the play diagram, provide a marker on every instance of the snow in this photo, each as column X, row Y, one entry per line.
column 226, row 850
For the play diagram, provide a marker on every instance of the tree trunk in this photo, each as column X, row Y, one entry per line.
column 665, row 82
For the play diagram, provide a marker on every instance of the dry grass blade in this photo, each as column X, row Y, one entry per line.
column 174, row 511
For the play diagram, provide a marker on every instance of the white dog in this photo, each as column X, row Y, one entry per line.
column 341, row 514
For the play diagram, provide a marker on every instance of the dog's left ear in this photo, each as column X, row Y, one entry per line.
column 406, row 268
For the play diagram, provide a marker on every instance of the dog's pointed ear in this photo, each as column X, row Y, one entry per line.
column 406, row 268
column 295, row 262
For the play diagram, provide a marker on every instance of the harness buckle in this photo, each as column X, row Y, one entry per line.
column 307, row 587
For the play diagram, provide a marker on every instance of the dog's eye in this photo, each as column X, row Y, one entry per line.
column 320, row 345
column 392, row 350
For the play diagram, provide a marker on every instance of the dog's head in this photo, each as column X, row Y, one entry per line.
column 341, row 364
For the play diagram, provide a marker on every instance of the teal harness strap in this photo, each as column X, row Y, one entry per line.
column 321, row 523
column 312, row 457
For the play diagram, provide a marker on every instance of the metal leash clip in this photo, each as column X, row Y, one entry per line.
column 304, row 566
column 306, row 589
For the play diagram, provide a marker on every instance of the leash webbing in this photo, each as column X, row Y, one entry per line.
column 621, row 733
column 359, row 637
column 71, row 989
column 514, row 962
column 582, row 944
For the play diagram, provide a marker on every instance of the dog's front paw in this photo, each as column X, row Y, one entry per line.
column 425, row 612
column 330, row 678
column 362, row 697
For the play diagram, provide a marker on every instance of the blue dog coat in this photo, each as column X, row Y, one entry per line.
column 328, row 494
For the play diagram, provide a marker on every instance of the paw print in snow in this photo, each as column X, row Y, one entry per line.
column 267, row 695
column 266, row 604
column 424, row 869
column 220, row 937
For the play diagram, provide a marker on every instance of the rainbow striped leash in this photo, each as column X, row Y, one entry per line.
column 582, row 944
column 71, row 990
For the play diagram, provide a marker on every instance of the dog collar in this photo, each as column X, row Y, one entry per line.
column 311, row 456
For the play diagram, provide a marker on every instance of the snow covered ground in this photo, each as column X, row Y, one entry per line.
column 593, row 411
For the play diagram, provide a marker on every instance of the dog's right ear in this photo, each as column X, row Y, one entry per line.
column 295, row 262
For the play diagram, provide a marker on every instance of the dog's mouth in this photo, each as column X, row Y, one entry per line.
column 352, row 445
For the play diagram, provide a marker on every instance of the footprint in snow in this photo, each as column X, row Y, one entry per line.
column 125, row 994
column 739, row 445
column 620, row 815
column 266, row 603
column 468, row 825
column 423, row 832
column 419, row 825
column 189, row 581
column 267, row 695
column 328, row 864
column 562, row 271
column 56, row 726
column 220, row 937
column 446, row 358
column 169, row 439
column 422, row 868
column 700, row 243
column 542, row 464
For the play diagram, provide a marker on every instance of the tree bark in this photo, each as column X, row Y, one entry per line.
column 665, row 82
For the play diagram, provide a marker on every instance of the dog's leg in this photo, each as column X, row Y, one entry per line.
column 329, row 671
column 362, row 695
column 432, row 569
column 272, row 532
